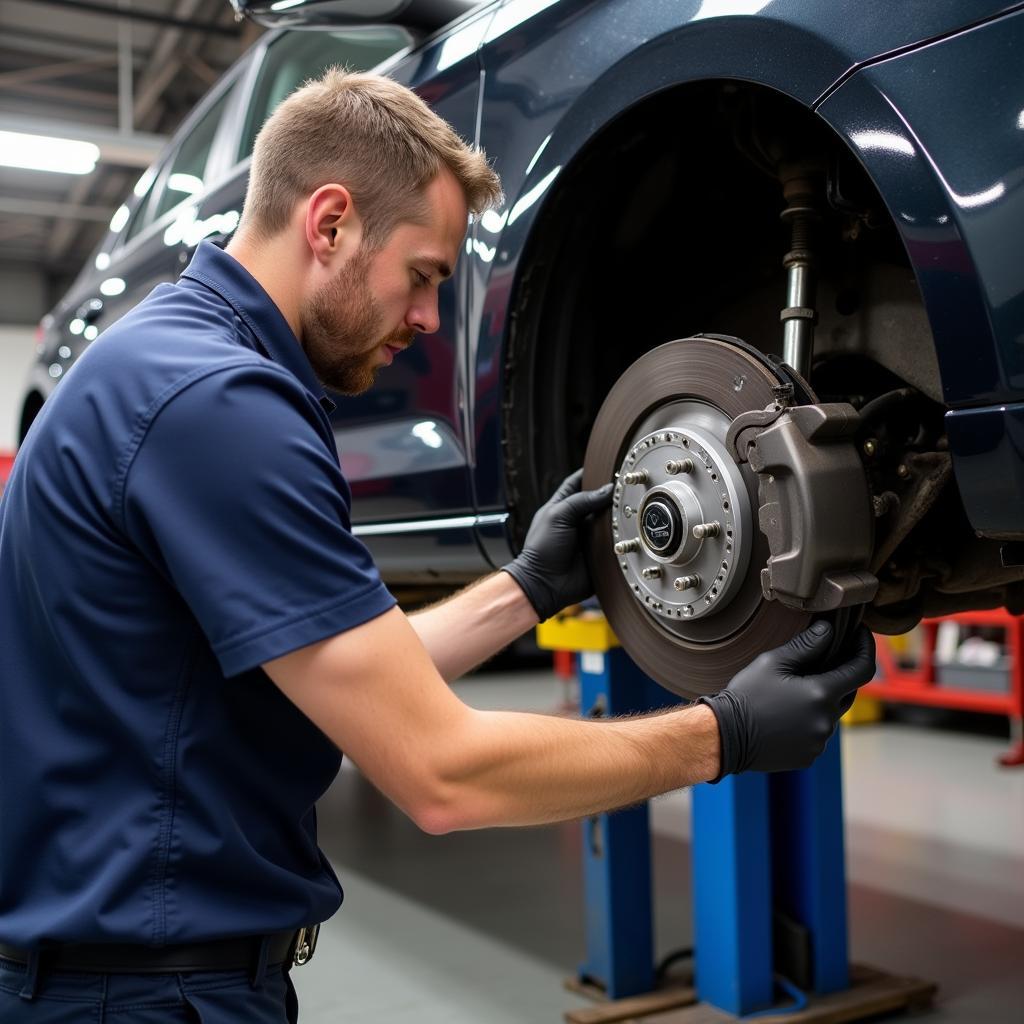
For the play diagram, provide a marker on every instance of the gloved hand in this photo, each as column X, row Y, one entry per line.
column 777, row 714
column 550, row 568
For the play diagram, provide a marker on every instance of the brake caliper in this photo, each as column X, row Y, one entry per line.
column 815, row 508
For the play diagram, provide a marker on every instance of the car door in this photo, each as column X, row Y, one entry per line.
column 406, row 444
column 403, row 444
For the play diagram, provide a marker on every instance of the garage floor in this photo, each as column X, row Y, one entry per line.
column 483, row 926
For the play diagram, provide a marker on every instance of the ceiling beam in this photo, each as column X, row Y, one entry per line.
column 66, row 93
column 139, row 149
column 112, row 10
column 61, row 69
column 23, row 42
column 48, row 208
column 164, row 64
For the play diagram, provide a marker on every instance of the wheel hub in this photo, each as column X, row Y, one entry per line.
column 680, row 523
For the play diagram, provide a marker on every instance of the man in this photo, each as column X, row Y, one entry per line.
column 191, row 633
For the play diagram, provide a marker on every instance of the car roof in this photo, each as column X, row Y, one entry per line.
column 422, row 15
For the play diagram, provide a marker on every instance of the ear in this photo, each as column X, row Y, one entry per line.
column 333, row 227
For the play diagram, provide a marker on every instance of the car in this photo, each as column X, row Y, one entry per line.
column 759, row 264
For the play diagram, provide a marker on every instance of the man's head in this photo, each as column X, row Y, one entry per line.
column 370, row 189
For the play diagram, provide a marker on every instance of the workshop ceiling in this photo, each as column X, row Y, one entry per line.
column 121, row 73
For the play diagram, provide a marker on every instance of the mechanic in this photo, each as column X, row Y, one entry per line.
column 191, row 633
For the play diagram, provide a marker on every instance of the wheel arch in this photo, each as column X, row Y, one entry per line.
column 677, row 62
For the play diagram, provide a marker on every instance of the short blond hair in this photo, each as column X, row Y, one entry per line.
column 370, row 134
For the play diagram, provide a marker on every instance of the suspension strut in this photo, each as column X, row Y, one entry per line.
column 799, row 316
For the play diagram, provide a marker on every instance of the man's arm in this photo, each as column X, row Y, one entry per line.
column 375, row 692
column 473, row 625
column 549, row 574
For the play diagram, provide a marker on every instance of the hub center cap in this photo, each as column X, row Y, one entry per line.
column 660, row 525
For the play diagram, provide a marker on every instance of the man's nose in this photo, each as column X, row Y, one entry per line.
column 424, row 317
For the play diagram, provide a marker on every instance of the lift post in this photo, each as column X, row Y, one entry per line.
column 616, row 847
column 769, row 883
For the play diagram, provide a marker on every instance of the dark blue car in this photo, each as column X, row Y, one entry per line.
column 716, row 209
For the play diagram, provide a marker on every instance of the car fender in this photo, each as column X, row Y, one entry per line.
column 534, row 140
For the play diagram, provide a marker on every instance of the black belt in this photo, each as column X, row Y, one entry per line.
column 292, row 947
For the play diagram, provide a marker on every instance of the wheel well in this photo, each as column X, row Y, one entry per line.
column 667, row 225
column 29, row 411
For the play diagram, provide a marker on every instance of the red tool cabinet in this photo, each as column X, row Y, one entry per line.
column 920, row 685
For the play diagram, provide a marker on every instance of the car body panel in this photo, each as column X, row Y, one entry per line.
column 950, row 164
column 535, row 82
column 598, row 60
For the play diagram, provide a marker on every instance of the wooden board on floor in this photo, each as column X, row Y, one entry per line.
column 609, row 1011
column 871, row 992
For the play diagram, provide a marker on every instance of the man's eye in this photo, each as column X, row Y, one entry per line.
column 421, row 278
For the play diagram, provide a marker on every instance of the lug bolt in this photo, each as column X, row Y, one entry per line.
column 686, row 582
column 636, row 476
column 625, row 546
column 679, row 466
column 870, row 447
column 702, row 530
column 902, row 472
column 652, row 572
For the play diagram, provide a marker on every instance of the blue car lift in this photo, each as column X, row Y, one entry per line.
column 769, row 883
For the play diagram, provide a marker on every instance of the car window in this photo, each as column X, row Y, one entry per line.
column 296, row 57
column 186, row 175
column 143, row 189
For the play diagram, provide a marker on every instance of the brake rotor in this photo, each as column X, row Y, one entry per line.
column 676, row 561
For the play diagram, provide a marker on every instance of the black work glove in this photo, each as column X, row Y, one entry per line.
column 550, row 568
column 777, row 714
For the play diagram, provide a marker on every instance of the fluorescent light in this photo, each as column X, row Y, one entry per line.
column 43, row 153
column 427, row 433
column 188, row 183
column 142, row 185
column 112, row 286
column 120, row 218
column 887, row 142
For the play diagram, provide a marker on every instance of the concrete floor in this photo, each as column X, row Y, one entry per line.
column 484, row 926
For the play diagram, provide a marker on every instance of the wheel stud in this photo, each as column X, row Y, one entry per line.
column 702, row 530
column 636, row 476
column 625, row 546
column 674, row 466
column 652, row 572
column 686, row 582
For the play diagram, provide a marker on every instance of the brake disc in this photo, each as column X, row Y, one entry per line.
column 677, row 561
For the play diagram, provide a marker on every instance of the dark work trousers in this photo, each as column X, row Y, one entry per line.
column 204, row 997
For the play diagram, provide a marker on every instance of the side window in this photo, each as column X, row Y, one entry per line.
column 299, row 56
column 143, row 189
column 187, row 172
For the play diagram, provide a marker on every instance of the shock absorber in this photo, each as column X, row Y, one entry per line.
column 799, row 316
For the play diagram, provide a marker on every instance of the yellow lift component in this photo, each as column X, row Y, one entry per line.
column 586, row 630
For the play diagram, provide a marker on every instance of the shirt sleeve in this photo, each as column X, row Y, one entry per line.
column 236, row 497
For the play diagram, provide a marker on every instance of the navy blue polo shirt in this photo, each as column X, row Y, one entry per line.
column 176, row 517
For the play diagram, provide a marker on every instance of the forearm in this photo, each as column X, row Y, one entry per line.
column 509, row 768
column 474, row 624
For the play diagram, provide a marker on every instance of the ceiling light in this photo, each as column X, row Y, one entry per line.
column 43, row 153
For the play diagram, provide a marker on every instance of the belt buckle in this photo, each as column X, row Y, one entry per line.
column 305, row 944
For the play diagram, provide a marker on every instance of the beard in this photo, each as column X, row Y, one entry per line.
column 341, row 325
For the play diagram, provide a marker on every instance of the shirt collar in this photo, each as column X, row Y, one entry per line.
column 216, row 269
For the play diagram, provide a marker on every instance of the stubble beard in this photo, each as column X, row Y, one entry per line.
column 341, row 330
